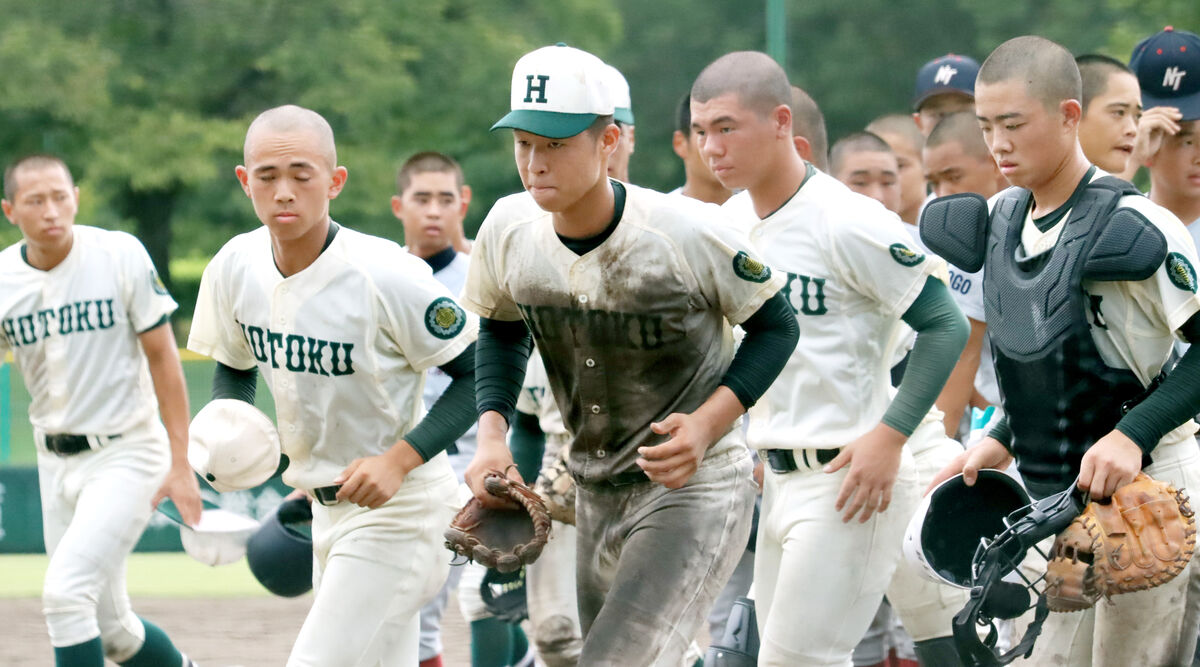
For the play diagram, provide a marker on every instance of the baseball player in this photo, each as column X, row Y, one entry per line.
column 431, row 203
column 342, row 327
column 842, row 484
column 86, row 319
column 906, row 141
column 945, row 86
column 1171, row 123
column 629, row 295
column 808, row 129
column 698, row 180
column 1111, row 107
column 1104, row 426
column 867, row 165
column 618, row 163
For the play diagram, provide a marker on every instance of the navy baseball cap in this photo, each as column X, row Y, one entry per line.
column 948, row 74
column 1167, row 66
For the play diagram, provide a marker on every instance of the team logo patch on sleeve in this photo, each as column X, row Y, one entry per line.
column 1181, row 273
column 904, row 256
column 748, row 268
column 444, row 318
column 157, row 283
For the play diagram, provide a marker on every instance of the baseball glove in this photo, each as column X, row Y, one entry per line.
column 557, row 489
column 501, row 539
column 1140, row 538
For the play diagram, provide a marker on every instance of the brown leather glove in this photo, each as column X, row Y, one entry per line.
column 1140, row 538
column 501, row 539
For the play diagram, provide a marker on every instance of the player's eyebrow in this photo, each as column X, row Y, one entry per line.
column 1119, row 105
column 1012, row 115
column 716, row 121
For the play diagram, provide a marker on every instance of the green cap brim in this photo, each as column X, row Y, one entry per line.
column 550, row 124
column 623, row 115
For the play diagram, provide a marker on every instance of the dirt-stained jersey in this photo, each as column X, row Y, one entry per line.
column 851, row 272
column 343, row 344
column 73, row 332
column 631, row 331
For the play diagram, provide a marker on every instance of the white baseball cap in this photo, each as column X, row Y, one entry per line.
column 218, row 539
column 619, row 88
column 233, row 445
column 557, row 92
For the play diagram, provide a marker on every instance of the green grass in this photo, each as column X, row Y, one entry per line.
column 167, row 575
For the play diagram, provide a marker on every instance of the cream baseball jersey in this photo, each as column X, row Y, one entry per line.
column 851, row 273
column 100, row 297
column 1134, row 324
column 631, row 331
column 343, row 344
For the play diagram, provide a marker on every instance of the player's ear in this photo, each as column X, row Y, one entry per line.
column 803, row 147
column 610, row 138
column 465, row 196
column 243, row 177
column 7, row 207
column 782, row 117
column 397, row 206
column 679, row 143
column 338, row 182
column 1072, row 112
column 917, row 119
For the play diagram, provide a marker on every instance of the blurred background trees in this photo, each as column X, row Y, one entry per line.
column 147, row 100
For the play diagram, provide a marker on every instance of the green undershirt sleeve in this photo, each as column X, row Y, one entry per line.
column 1175, row 401
column 771, row 335
column 450, row 415
column 501, row 355
column 1002, row 432
column 229, row 382
column 942, row 332
column 527, row 443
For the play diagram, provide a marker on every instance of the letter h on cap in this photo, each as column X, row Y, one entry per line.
column 540, row 88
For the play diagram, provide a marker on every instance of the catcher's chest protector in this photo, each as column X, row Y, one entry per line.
column 1059, row 394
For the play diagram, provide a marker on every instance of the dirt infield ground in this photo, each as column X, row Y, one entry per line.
column 249, row 632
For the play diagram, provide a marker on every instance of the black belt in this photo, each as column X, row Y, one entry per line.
column 67, row 444
column 625, row 478
column 783, row 461
column 327, row 495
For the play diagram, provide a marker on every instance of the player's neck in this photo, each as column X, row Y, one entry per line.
column 706, row 191
column 589, row 215
column 1185, row 207
column 910, row 214
column 44, row 258
column 294, row 255
column 1054, row 191
column 783, row 182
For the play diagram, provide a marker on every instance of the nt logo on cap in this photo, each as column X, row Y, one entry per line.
column 1173, row 77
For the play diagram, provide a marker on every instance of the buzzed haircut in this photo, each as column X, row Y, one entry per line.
column 424, row 163
column 856, row 142
column 809, row 122
column 683, row 115
column 32, row 161
column 963, row 128
column 291, row 118
column 1048, row 70
column 759, row 82
column 1094, row 71
column 901, row 124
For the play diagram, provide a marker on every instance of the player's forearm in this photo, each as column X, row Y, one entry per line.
column 501, row 355
column 771, row 336
column 169, row 386
column 942, row 333
column 719, row 412
column 452, row 413
column 960, row 386
column 1174, row 402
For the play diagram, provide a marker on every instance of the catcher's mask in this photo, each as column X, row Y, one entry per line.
column 280, row 553
column 999, row 590
column 952, row 520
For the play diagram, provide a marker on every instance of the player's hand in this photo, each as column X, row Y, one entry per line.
column 1109, row 464
column 1155, row 124
column 491, row 453
column 874, row 460
column 759, row 473
column 989, row 453
column 674, row 462
column 372, row 481
column 183, row 490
